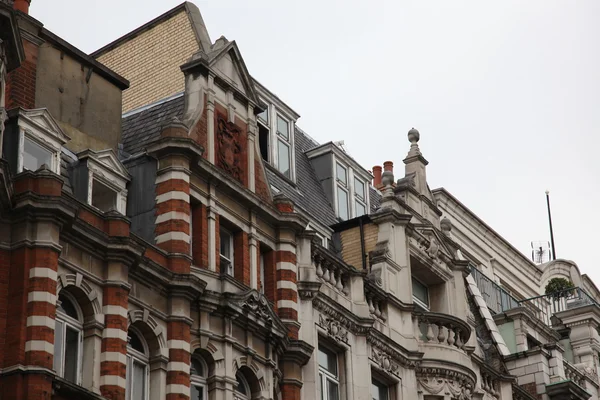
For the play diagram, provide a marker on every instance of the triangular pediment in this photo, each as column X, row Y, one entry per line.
column 227, row 61
column 438, row 243
column 255, row 306
column 108, row 159
column 42, row 119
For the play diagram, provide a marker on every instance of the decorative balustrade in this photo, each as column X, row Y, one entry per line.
column 331, row 270
column 496, row 298
column 442, row 329
column 376, row 299
column 490, row 384
column 573, row 374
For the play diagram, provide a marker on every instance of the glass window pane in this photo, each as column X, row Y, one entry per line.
column 71, row 354
column 139, row 381
column 197, row 393
column 67, row 306
column 360, row 209
column 283, row 152
column 58, row 346
column 35, row 155
column 341, row 174
column 342, row 203
column 197, row 368
column 264, row 116
column 359, row 189
column 283, row 128
column 332, row 390
column 328, row 360
column 225, row 239
column 135, row 342
column 420, row 292
column 379, row 391
column 241, row 383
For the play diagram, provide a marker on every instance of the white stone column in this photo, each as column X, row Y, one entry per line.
column 210, row 114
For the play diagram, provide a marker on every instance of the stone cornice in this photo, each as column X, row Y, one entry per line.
column 388, row 355
column 337, row 317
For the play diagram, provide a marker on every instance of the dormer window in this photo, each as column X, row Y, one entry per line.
column 32, row 138
column 100, row 180
column 283, row 147
column 351, row 198
column 360, row 204
column 276, row 126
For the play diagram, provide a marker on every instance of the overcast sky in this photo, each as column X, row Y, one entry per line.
column 506, row 94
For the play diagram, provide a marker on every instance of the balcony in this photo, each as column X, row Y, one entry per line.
column 442, row 329
column 545, row 306
column 496, row 298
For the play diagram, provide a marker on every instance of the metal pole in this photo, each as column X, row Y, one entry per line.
column 550, row 221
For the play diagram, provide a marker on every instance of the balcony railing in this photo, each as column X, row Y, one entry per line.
column 496, row 298
column 545, row 306
column 442, row 329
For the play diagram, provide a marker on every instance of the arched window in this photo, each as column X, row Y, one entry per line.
column 198, row 374
column 137, row 366
column 68, row 338
column 242, row 390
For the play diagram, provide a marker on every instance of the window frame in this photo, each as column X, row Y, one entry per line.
column 30, row 136
column 417, row 301
column 325, row 375
column 348, row 210
column 94, row 177
column 261, row 271
column 230, row 271
column 199, row 381
column 134, row 356
column 380, row 386
column 287, row 141
column 240, row 378
column 67, row 322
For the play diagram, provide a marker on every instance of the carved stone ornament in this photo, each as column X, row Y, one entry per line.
column 342, row 319
column 258, row 305
column 334, row 329
column 384, row 361
column 443, row 382
column 229, row 148
column 386, row 357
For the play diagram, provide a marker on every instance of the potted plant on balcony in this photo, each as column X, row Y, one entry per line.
column 559, row 287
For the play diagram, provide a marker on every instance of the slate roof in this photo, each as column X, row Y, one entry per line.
column 65, row 174
column 143, row 127
column 308, row 193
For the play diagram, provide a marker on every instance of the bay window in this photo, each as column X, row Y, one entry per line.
column 68, row 339
column 329, row 380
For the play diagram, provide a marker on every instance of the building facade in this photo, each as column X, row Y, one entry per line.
column 167, row 231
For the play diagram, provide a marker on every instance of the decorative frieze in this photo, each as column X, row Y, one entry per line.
column 334, row 329
column 439, row 381
column 345, row 318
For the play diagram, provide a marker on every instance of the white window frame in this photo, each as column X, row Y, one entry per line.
column 134, row 356
column 77, row 325
column 94, row 177
column 416, row 300
column 54, row 152
column 357, row 199
column 287, row 141
column 230, row 269
column 327, row 376
column 337, row 203
column 267, row 126
column 199, row 381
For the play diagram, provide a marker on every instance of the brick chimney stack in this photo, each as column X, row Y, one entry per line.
column 22, row 5
column 377, row 176
column 388, row 166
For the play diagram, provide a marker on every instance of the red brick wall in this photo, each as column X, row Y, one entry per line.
column 20, row 88
column 178, row 330
column 217, row 242
column 260, row 181
column 270, row 276
column 200, row 235
column 241, row 257
column 4, row 280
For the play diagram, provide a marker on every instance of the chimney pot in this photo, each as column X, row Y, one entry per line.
column 377, row 176
column 22, row 5
column 388, row 166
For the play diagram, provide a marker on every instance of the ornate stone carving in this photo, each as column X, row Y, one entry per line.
column 386, row 357
column 229, row 148
column 343, row 319
column 440, row 381
column 334, row 329
column 258, row 305
column 384, row 361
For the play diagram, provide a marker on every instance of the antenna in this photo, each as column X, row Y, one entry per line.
column 540, row 252
column 550, row 222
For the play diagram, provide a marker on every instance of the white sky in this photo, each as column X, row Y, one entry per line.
column 506, row 94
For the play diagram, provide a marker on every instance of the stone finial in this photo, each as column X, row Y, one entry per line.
column 446, row 225
column 413, row 137
column 387, row 178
